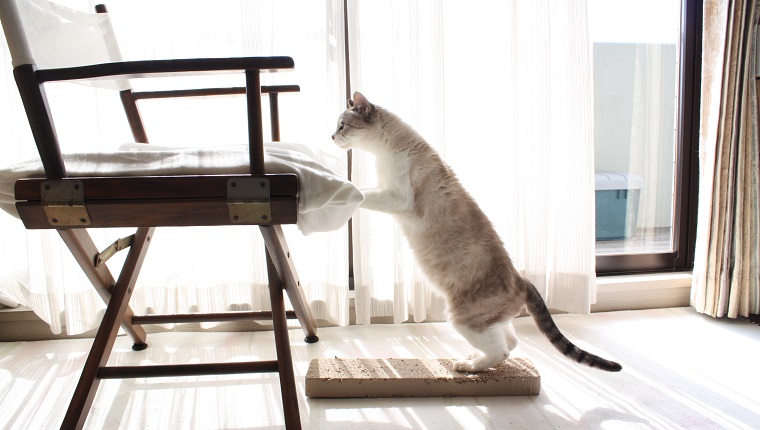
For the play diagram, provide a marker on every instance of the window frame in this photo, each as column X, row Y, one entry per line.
column 681, row 258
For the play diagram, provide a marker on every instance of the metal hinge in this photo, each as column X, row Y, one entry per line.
column 248, row 200
column 123, row 243
column 63, row 203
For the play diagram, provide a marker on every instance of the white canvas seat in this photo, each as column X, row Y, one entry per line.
column 326, row 199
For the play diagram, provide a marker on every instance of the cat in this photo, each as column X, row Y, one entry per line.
column 453, row 241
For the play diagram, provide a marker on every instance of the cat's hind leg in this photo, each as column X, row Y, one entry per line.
column 491, row 345
column 511, row 336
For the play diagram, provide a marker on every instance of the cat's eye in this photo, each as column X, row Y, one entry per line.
column 342, row 126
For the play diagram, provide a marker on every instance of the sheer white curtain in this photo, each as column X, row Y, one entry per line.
column 188, row 269
column 504, row 92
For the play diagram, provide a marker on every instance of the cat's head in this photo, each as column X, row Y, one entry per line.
column 356, row 126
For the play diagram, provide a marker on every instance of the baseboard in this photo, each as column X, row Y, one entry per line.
column 22, row 324
column 614, row 293
column 648, row 291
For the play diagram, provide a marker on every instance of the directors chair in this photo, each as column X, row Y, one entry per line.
column 71, row 204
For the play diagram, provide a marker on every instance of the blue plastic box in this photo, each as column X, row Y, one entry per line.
column 617, row 205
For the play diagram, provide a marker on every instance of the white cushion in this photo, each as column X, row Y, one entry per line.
column 327, row 199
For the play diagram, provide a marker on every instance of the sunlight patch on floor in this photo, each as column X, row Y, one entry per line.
column 680, row 371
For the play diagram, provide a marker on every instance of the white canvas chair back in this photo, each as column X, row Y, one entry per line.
column 49, row 36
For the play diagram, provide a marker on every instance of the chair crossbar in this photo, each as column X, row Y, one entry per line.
column 177, row 370
column 207, row 317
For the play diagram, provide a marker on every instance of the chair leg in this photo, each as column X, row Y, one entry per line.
column 76, row 415
column 280, row 254
column 282, row 346
column 85, row 252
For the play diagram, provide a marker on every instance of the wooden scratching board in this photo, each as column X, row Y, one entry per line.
column 411, row 377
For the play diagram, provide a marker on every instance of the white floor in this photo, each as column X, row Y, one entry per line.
column 680, row 371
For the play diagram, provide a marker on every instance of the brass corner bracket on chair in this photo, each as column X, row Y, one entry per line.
column 63, row 203
column 249, row 200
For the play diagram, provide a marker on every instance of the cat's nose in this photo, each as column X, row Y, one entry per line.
column 333, row 137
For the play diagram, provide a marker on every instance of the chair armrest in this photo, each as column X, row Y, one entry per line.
column 29, row 81
column 138, row 69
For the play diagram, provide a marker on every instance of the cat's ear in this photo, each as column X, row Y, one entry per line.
column 360, row 104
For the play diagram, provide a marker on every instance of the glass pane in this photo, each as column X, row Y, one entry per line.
column 636, row 52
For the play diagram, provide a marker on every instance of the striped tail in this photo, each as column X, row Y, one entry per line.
column 545, row 323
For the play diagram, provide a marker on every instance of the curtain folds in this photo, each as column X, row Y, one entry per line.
column 187, row 269
column 725, row 281
column 502, row 89
column 506, row 96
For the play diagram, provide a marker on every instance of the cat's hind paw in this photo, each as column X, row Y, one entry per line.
column 464, row 366
column 475, row 362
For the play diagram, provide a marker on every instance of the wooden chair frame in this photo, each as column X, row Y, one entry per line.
column 146, row 202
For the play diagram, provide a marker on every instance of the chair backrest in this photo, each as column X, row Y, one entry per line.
column 49, row 35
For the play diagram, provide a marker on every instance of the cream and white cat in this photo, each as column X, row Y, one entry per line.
column 454, row 242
